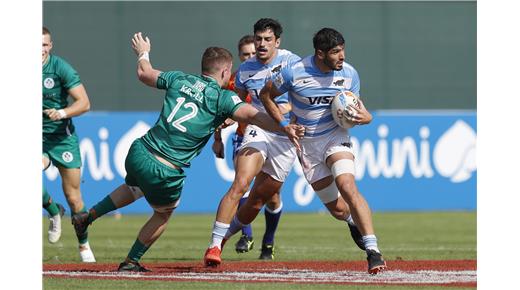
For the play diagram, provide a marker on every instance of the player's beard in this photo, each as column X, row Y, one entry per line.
column 332, row 64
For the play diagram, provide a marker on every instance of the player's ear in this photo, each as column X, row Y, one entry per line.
column 320, row 54
column 223, row 73
column 277, row 42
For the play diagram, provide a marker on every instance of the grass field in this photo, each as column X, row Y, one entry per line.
column 401, row 236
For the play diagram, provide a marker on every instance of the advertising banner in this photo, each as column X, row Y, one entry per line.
column 405, row 161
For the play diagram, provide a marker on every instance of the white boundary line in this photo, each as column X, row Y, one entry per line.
column 296, row 276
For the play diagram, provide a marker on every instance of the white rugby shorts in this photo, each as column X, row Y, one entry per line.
column 317, row 149
column 278, row 152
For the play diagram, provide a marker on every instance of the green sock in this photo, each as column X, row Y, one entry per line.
column 137, row 251
column 48, row 204
column 83, row 237
column 104, row 206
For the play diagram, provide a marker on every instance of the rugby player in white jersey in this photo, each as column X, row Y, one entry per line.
column 267, row 156
column 326, row 149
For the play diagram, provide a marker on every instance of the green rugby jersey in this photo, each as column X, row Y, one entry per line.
column 57, row 78
column 193, row 107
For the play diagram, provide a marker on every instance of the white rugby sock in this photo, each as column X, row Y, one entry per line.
column 370, row 242
column 219, row 230
column 350, row 220
column 274, row 211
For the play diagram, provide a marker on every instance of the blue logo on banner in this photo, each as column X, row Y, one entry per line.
column 407, row 160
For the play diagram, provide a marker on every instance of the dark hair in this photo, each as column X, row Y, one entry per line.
column 268, row 23
column 326, row 39
column 45, row 31
column 214, row 58
column 246, row 39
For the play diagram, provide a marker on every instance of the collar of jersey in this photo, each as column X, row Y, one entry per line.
column 272, row 60
column 313, row 62
column 47, row 61
column 209, row 78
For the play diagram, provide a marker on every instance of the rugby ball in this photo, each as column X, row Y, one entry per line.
column 340, row 104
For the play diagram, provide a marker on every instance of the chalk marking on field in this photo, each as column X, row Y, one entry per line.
column 301, row 276
column 405, row 249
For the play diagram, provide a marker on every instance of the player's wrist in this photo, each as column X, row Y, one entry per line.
column 283, row 123
column 144, row 55
column 62, row 113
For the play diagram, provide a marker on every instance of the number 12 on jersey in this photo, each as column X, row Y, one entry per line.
column 178, row 122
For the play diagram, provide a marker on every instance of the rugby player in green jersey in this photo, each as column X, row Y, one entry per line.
column 60, row 142
column 194, row 105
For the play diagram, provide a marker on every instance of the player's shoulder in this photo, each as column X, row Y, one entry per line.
column 227, row 93
column 58, row 61
column 307, row 61
column 54, row 58
column 348, row 68
column 174, row 74
column 287, row 56
column 230, row 95
column 302, row 64
column 248, row 68
column 250, row 64
column 282, row 52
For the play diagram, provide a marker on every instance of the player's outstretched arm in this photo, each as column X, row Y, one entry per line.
column 80, row 105
column 145, row 72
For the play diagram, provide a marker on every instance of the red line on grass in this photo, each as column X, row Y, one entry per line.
column 422, row 272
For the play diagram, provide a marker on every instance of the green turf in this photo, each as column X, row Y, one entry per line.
column 406, row 236
column 78, row 284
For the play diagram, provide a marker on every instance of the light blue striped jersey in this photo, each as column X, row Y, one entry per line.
column 311, row 92
column 253, row 74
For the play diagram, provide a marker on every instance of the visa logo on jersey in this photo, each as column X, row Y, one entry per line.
column 320, row 100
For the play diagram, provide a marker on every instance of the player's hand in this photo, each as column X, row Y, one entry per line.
column 293, row 119
column 45, row 162
column 218, row 149
column 295, row 132
column 228, row 122
column 359, row 116
column 140, row 44
column 54, row 114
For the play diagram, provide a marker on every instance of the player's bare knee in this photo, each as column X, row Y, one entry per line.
column 240, row 187
column 338, row 209
column 349, row 191
column 235, row 195
column 163, row 216
column 71, row 188
column 74, row 200
column 257, row 205
column 164, row 212
column 273, row 204
column 340, row 213
column 273, row 201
